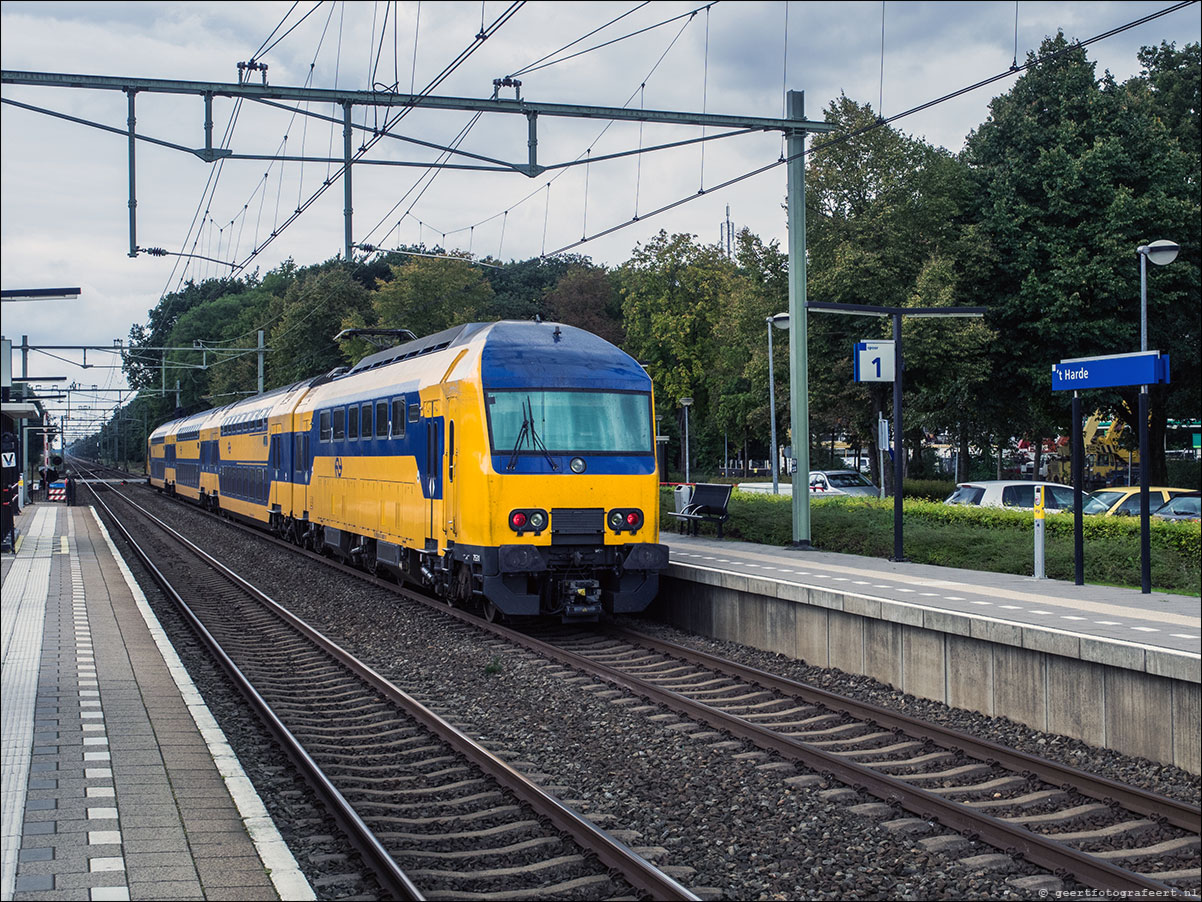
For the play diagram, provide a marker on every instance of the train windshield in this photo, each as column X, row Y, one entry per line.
column 570, row 422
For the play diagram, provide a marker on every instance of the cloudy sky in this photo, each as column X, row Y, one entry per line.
column 64, row 190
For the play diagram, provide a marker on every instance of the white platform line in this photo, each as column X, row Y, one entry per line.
column 22, row 622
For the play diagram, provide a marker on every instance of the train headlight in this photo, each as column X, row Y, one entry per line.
column 529, row 520
column 577, row 465
column 622, row 520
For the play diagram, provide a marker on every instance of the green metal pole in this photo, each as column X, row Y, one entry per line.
column 799, row 378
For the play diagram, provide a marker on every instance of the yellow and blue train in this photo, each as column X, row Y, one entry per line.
column 509, row 466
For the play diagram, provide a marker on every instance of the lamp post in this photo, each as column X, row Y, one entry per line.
column 781, row 321
column 1161, row 253
column 686, row 403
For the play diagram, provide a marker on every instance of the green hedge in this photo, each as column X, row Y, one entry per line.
column 972, row 538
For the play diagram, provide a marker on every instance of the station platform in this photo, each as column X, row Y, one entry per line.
column 117, row 782
column 1111, row 666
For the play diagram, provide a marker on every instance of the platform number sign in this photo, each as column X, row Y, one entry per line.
column 10, row 460
column 874, row 361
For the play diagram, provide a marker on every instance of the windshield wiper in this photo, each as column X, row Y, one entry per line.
column 528, row 431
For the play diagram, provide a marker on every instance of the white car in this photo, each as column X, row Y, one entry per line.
column 823, row 484
column 1011, row 493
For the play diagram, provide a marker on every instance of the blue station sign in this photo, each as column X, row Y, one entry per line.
column 1142, row 368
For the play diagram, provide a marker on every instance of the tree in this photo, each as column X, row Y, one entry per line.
column 302, row 340
column 586, row 297
column 674, row 293
column 1072, row 174
column 427, row 295
column 880, row 206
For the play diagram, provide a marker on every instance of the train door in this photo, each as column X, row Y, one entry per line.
column 279, row 467
column 432, row 474
column 450, row 510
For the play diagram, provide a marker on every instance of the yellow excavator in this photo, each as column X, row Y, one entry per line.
column 1106, row 461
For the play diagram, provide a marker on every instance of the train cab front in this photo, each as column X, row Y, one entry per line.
column 597, row 562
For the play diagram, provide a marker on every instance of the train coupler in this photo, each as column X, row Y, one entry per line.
column 581, row 599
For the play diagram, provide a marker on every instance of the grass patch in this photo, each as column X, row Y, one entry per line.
column 985, row 539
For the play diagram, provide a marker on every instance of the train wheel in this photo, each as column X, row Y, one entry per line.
column 492, row 613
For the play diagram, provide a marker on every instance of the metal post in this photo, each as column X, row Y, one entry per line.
column 260, row 361
column 532, row 142
column 208, row 98
column 772, row 412
column 346, row 179
column 1040, row 526
column 1145, row 538
column 899, row 447
column 133, row 197
column 1143, row 305
column 799, row 381
column 686, row 443
column 1078, row 494
column 177, row 400
column 24, row 357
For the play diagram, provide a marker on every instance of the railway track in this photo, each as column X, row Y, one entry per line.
column 1110, row 836
column 433, row 813
column 1106, row 835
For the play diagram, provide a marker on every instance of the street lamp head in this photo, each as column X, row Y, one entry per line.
column 781, row 320
column 1159, row 252
column 685, row 402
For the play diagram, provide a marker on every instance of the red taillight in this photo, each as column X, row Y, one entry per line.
column 517, row 519
column 632, row 518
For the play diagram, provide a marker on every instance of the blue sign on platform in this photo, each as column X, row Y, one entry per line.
column 1143, row 368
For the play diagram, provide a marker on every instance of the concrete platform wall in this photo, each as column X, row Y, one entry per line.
column 1134, row 699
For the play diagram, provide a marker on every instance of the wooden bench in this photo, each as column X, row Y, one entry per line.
column 708, row 505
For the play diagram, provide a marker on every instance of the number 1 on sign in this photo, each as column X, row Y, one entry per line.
column 876, row 361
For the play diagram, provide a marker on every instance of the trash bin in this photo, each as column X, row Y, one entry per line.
column 683, row 494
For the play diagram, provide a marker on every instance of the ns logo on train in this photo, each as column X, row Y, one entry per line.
column 507, row 466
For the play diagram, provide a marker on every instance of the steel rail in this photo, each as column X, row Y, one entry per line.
column 1139, row 801
column 391, row 877
column 613, row 854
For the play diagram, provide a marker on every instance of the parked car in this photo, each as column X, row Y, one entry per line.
column 823, row 483
column 1011, row 493
column 1182, row 507
column 1123, row 501
column 840, row 482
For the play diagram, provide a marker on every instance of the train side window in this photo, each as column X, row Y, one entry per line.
column 398, row 417
column 339, row 424
column 326, row 432
column 365, row 421
column 381, row 419
column 352, row 422
column 415, row 412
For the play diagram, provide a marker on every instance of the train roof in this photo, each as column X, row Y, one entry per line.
column 520, row 354
column 456, row 335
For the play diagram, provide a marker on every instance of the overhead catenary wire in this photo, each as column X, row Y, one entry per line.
column 438, row 79
column 638, row 92
column 882, row 121
column 688, row 15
